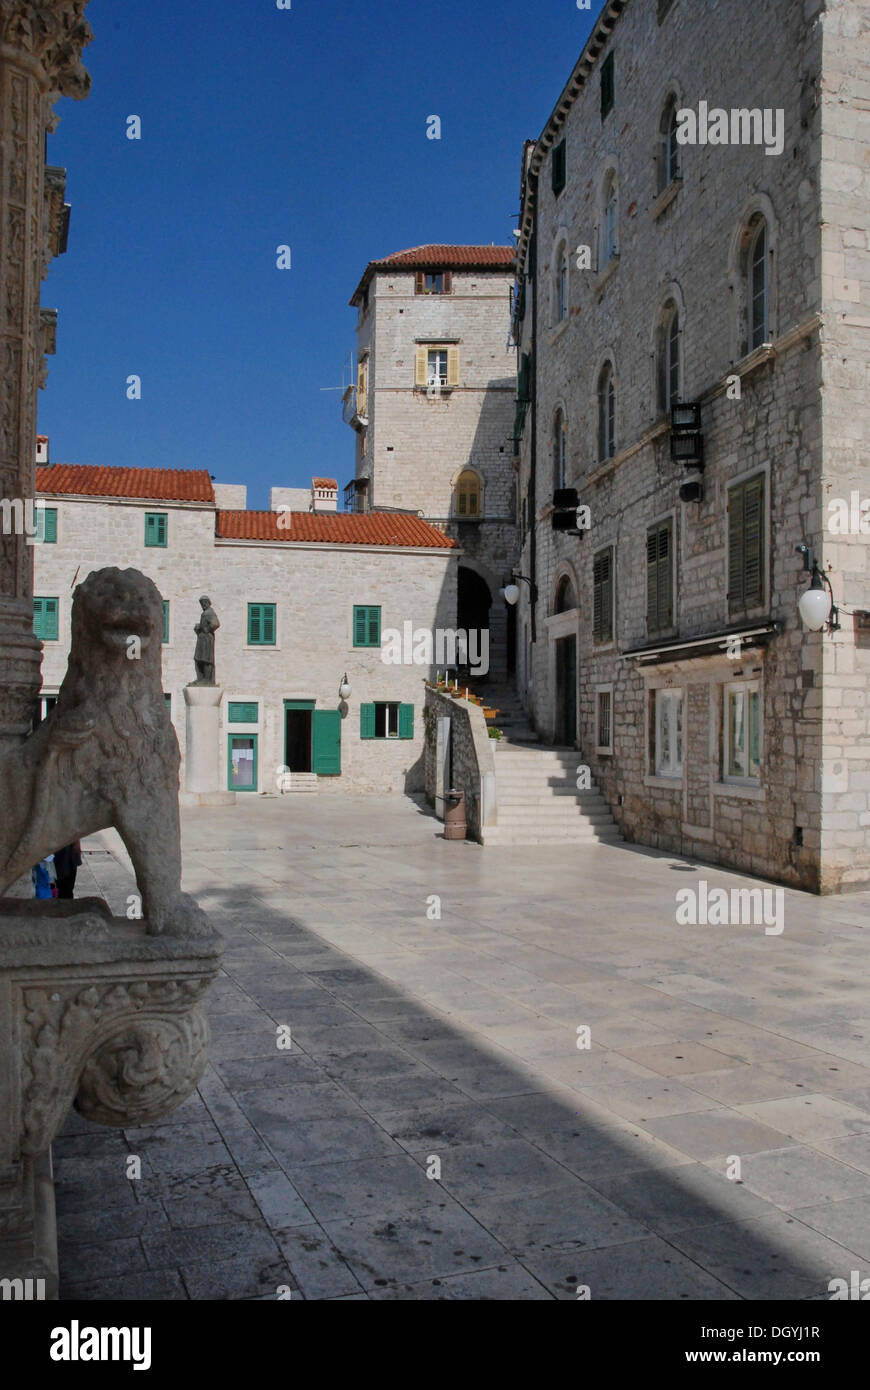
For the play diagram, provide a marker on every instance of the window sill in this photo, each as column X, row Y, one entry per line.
column 604, row 752
column 747, row 791
column 665, row 198
column 434, row 393
column 670, row 784
column 606, row 274
column 261, row 647
column 755, row 359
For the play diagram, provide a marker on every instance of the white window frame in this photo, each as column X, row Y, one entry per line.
column 747, row 689
column 605, row 749
column 391, row 706
column 435, row 377
column 670, row 712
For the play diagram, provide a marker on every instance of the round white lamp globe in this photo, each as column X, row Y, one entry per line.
column 511, row 593
column 814, row 607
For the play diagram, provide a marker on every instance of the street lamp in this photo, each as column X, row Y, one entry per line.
column 344, row 688
column 816, row 604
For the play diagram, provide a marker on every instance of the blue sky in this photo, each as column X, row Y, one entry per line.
column 263, row 127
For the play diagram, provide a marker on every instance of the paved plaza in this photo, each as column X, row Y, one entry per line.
column 434, row 1131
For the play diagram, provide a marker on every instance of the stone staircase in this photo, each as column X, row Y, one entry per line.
column 298, row 782
column 536, row 787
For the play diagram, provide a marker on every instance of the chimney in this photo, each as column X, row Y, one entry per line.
column 324, row 495
column 42, row 450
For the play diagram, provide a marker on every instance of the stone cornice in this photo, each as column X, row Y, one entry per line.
column 48, row 38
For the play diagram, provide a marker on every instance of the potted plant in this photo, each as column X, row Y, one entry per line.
column 495, row 733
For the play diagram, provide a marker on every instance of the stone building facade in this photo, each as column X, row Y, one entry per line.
column 662, row 637
column 304, row 600
column 433, row 409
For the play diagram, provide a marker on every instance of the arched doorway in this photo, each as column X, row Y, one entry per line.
column 473, row 604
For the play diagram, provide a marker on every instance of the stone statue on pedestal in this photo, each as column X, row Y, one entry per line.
column 203, row 656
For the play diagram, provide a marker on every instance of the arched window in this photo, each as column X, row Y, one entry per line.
column 560, row 442
column 758, row 287
column 566, row 596
column 467, row 493
column 609, row 220
column 606, row 414
column 668, row 147
column 669, row 357
column 560, row 288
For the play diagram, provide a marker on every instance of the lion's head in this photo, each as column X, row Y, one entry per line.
column 120, row 612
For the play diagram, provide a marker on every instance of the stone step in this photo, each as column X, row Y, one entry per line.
column 299, row 782
column 588, row 801
column 551, row 815
column 496, row 836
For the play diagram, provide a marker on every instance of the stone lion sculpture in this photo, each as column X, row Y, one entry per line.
column 107, row 754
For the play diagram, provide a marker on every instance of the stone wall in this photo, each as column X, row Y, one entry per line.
column 472, row 759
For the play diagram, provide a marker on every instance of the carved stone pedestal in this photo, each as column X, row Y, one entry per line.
column 94, row 1012
column 202, row 749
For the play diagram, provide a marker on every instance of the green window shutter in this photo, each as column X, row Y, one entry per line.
column 366, row 626
column 261, row 624
column 608, row 86
column 45, row 612
column 46, row 525
column 558, row 174
column 326, row 742
column 242, row 712
column 406, row 721
column 166, row 620
column 366, row 721
column 155, row 528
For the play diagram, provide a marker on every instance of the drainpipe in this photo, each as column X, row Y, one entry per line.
column 533, row 387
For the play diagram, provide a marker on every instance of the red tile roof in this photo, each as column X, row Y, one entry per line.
column 336, row 528
column 154, row 484
column 435, row 256
column 324, row 482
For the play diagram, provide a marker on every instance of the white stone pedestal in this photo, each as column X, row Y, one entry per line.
column 202, row 748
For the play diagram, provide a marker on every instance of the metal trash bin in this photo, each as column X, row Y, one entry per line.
column 454, row 815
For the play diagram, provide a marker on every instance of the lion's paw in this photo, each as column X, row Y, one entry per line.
column 181, row 916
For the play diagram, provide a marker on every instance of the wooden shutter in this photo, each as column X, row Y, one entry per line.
column 254, row 625
column 374, row 626
column 421, row 366
column 360, row 627
column 447, row 284
column 735, row 547
column 419, row 282
column 45, row 619
column 47, row 525
column 166, row 620
column 326, row 742
column 602, row 597
column 406, row 721
column 268, row 638
column 746, row 545
column 366, row 721
column 659, row 577
column 453, row 366
column 753, row 542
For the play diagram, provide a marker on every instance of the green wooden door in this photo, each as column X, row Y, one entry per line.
column 326, row 742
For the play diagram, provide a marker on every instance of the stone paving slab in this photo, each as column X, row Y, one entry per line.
column 435, row 1132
